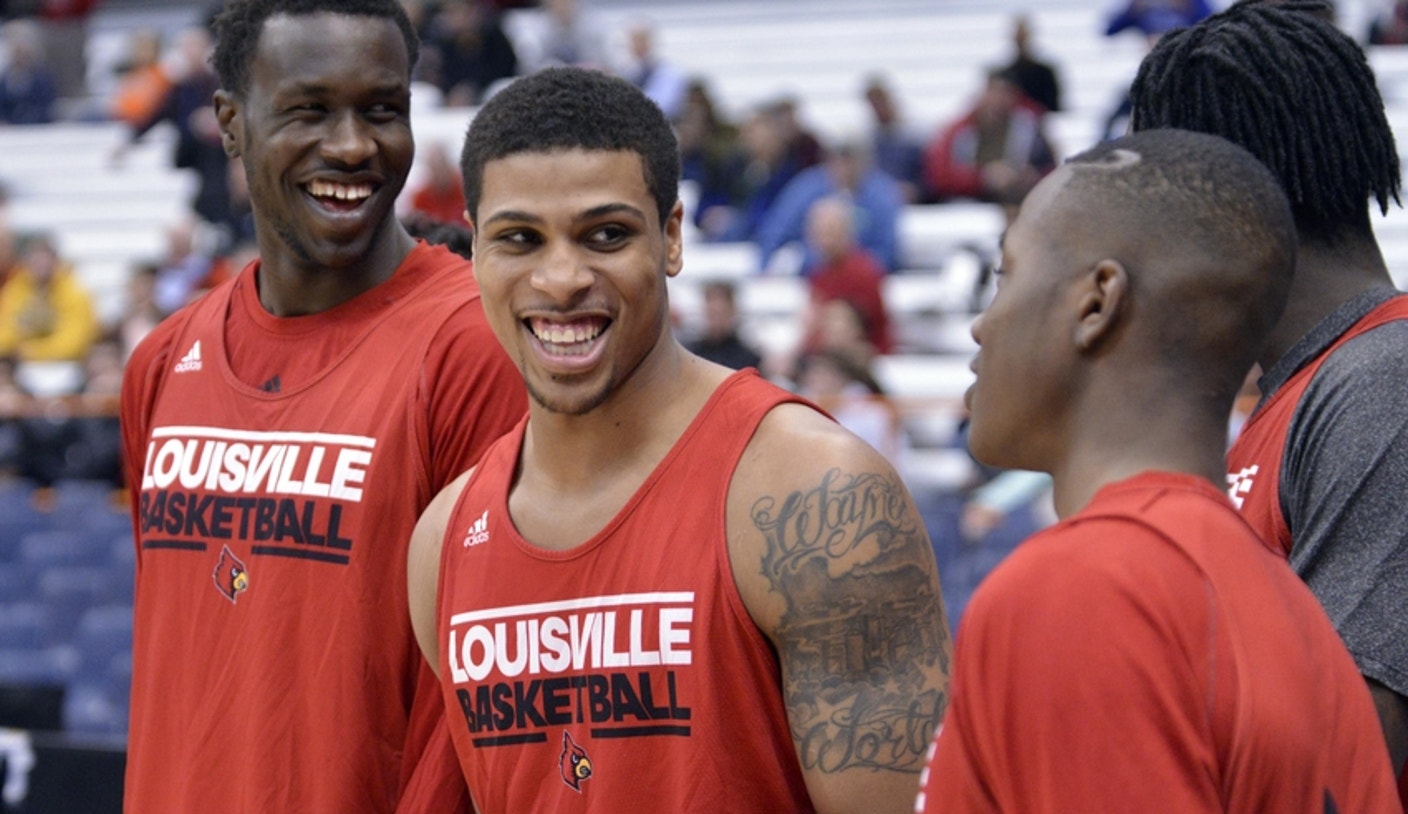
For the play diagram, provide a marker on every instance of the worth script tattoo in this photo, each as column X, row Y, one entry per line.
column 863, row 636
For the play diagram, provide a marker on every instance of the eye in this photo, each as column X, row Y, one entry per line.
column 609, row 236
column 386, row 111
column 517, row 239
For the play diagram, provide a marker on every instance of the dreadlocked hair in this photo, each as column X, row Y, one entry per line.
column 1280, row 79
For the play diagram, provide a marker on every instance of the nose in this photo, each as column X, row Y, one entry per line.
column 562, row 275
column 349, row 140
column 976, row 327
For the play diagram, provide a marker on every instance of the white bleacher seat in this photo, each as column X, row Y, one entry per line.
column 941, row 377
column 731, row 261
column 930, row 233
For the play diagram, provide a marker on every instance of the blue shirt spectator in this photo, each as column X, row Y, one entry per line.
column 848, row 170
column 28, row 89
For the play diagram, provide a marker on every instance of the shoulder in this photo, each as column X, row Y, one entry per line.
column 1374, row 352
column 1360, row 385
column 156, row 348
column 1079, row 588
column 1106, row 558
column 796, row 438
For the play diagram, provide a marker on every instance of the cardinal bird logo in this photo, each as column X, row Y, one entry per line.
column 230, row 575
column 574, row 763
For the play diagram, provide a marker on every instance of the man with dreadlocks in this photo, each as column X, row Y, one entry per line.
column 1321, row 467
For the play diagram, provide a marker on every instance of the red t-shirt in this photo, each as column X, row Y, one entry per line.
column 624, row 674
column 277, row 469
column 1150, row 654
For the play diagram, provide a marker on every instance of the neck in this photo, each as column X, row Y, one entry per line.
column 291, row 285
column 1326, row 277
column 629, row 432
column 1168, row 434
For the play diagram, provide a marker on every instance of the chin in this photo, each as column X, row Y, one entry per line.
column 566, row 401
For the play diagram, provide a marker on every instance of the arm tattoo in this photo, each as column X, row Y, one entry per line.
column 863, row 623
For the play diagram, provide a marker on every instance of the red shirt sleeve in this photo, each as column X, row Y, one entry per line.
column 472, row 391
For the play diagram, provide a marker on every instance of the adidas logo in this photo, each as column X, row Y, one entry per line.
column 191, row 361
column 479, row 532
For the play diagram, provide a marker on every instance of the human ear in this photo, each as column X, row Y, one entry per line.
column 1104, row 290
column 226, row 116
column 674, row 240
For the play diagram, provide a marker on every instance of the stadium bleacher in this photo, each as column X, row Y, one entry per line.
column 66, row 573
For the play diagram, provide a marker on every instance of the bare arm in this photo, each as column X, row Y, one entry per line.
column 833, row 561
column 423, row 567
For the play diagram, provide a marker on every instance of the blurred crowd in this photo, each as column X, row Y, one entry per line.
column 826, row 210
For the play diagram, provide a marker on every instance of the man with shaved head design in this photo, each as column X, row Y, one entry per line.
column 1148, row 652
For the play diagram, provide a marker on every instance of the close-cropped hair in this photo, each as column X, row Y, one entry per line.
column 572, row 109
column 1279, row 78
column 239, row 25
column 1210, row 235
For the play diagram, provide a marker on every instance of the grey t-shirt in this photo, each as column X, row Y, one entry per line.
column 1344, row 483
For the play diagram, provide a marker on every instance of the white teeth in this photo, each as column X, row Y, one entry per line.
column 342, row 192
column 555, row 334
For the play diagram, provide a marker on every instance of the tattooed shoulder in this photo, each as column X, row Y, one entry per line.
column 862, row 636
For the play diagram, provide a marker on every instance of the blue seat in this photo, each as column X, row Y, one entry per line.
column 46, row 549
column 37, row 666
column 22, row 626
column 103, row 633
column 18, row 517
column 69, row 591
column 16, row 583
column 90, row 708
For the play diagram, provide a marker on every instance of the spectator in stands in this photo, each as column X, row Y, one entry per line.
column 988, row 506
column 1389, row 25
column 28, row 89
column 46, row 315
column 9, row 243
column 440, row 193
column 64, row 27
column 1153, row 18
column 711, row 154
column 1036, row 78
column 767, row 166
column 995, row 152
column 658, row 78
column 183, row 272
column 719, row 341
column 143, row 81
column 467, row 44
column 848, row 171
column 844, row 270
column 897, row 150
column 188, row 107
column 571, row 35
column 804, row 146
column 141, row 313
column 843, row 385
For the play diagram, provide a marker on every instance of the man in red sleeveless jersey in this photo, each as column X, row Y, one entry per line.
column 283, row 434
column 674, row 587
column 1148, row 652
column 1321, row 466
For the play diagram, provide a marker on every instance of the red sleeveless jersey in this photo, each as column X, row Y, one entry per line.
column 624, row 674
column 274, row 663
column 1254, row 461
